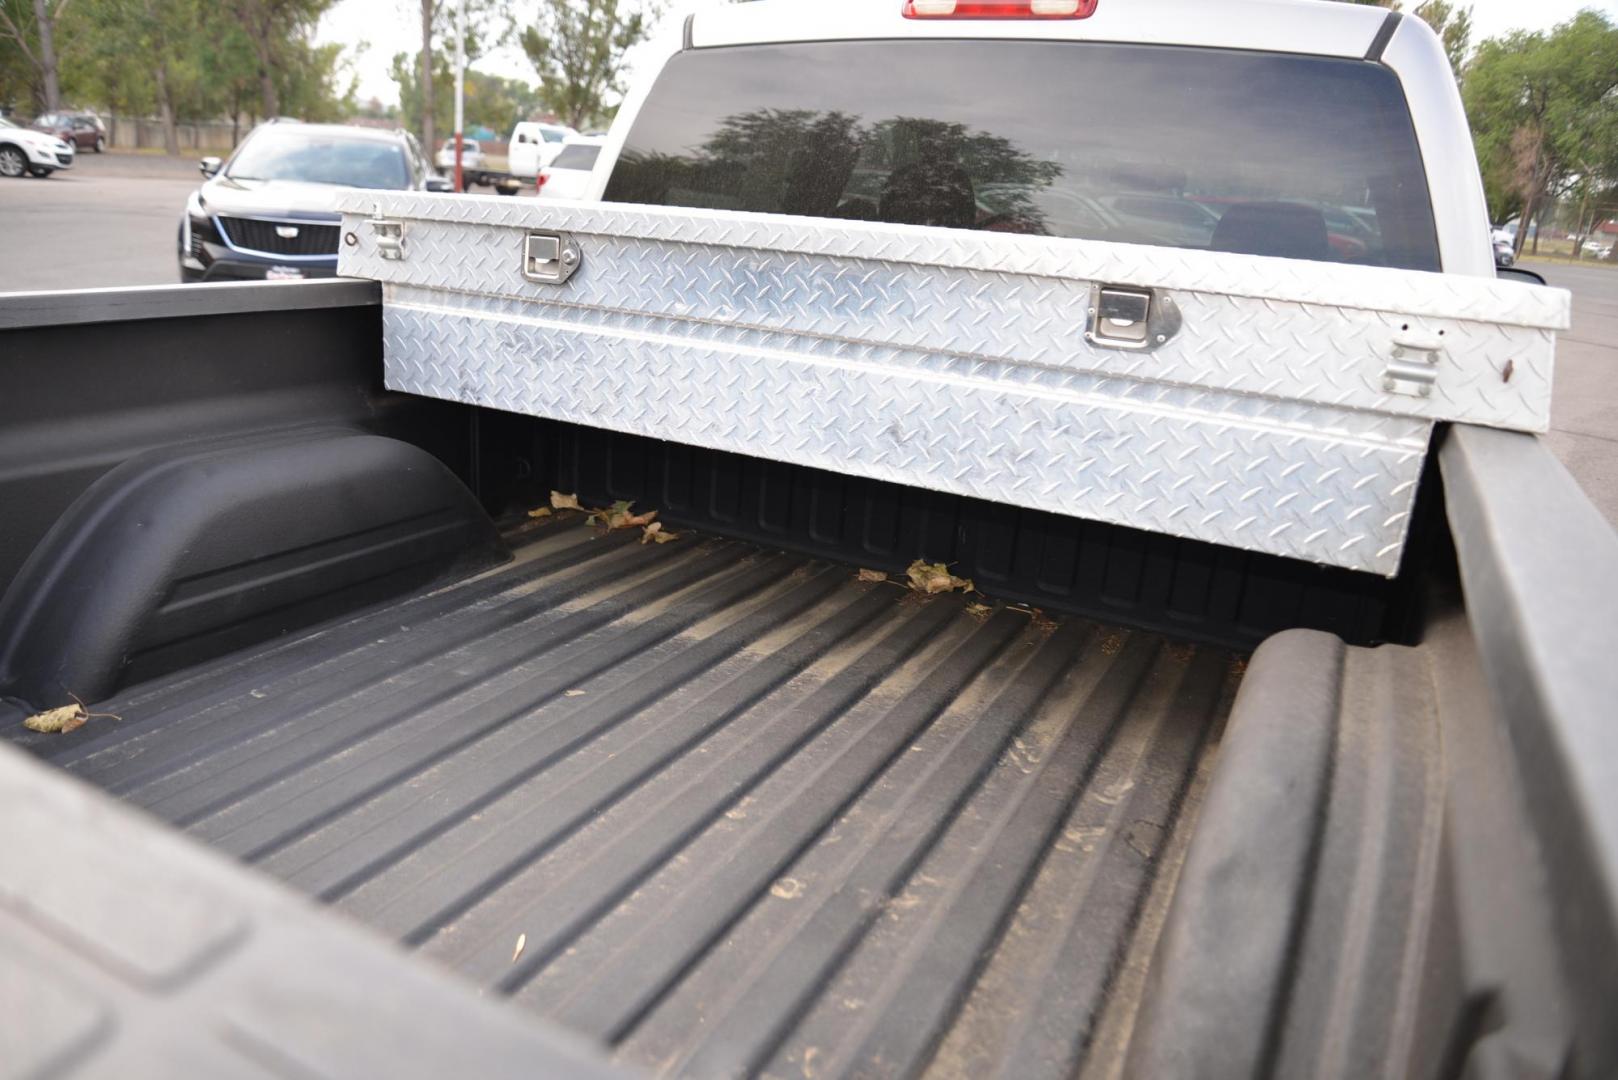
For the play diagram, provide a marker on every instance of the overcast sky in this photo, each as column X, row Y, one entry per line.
column 380, row 28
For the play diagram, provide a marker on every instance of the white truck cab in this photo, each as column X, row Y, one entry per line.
column 535, row 145
column 1161, row 130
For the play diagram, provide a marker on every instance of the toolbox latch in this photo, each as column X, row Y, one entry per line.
column 550, row 258
column 1130, row 317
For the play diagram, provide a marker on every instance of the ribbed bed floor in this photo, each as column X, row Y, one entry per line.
column 730, row 811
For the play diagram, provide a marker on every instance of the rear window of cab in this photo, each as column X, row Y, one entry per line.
column 1294, row 156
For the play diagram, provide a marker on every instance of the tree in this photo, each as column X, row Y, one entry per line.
column 578, row 47
column 406, row 73
column 425, row 70
column 193, row 59
column 30, row 27
column 490, row 100
column 273, row 26
column 421, row 103
column 1544, row 112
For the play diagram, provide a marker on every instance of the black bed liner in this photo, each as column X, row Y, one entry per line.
column 728, row 810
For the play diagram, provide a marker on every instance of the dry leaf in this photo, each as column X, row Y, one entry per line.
column 621, row 517
column 873, row 575
column 656, row 534
column 522, row 940
column 56, row 719
column 934, row 578
column 979, row 611
column 564, row 502
column 64, row 718
column 573, row 693
column 542, row 512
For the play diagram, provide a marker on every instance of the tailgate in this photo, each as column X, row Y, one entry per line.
column 1266, row 404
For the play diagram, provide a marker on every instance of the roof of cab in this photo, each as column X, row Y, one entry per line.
column 1315, row 27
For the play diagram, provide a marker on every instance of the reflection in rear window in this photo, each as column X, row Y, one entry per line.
column 1299, row 157
column 577, row 156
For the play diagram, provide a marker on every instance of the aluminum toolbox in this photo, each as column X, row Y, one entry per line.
column 1266, row 404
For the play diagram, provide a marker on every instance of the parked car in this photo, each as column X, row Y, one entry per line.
column 1599, row 247
column 267, row 212
column 471, row 155
column 568, row 176
column 1165, row 219
column 27, row 152
column 535, row 145
column 83, row 129
column 1505, row 250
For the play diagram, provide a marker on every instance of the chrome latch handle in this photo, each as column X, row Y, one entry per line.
column 1130, row 317
column 550, row 258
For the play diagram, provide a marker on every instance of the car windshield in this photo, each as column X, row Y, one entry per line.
column 321, row 157
column 1259, row 153
column 577, row 157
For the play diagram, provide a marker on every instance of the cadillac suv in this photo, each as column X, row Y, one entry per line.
column 266, row 213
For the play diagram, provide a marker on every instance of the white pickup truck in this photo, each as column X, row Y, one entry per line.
column 1006, row 539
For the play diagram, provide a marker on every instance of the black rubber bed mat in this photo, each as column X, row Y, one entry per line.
column 729, row 811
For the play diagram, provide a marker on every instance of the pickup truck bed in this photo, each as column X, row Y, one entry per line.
column 723, row 808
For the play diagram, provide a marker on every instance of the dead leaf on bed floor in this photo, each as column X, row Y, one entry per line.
column 656, row 534
column 564, row 502
column 522, row 939
column 979, row 611
column 64, row 718
column 573, row 693
column 541, row 512
column 935, row 578
column 875, row 576
column 621, row 515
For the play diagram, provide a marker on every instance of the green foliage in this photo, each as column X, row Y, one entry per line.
column 578, row 48
column 491, row 101
column 1544, row 113
column 406, row 74
column 194, row 59
column 29, row 65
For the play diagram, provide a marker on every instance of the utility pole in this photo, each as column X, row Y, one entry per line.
column 460, row 88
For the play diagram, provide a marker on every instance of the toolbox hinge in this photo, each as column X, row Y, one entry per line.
column 389, row 236
column 1413, row 371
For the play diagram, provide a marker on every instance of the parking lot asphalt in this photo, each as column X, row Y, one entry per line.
column 112, row 221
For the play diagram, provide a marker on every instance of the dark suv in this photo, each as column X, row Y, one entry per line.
column 266, row 213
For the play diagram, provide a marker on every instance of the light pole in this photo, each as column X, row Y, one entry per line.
column 460, row 88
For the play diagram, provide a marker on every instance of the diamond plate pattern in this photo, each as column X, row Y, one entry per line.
column 1183, row 462
column 1401, row 292
column 919, row 356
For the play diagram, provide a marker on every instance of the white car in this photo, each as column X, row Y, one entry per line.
column 1600, row 247
column 471, row 155
column 535, row 145
column 568, row 177
column 24, row 151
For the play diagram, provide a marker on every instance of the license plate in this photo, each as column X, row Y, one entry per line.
column 282, row 273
